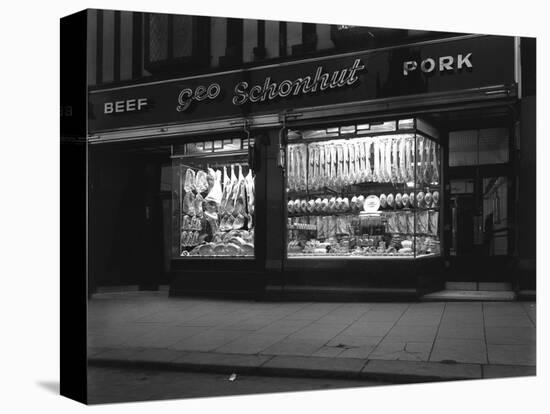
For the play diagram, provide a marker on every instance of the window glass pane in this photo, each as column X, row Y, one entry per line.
column 358, row 196
column 495, row 216
column 158, row 37
column 462, row 148
column 493, row 146
column 213, row 203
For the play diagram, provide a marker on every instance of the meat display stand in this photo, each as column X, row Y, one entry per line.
column 364, row 209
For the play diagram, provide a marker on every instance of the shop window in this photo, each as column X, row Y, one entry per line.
column 363, row 191
column 493, row 146
column 462, row 148
column 213, row 200
column 478, row 147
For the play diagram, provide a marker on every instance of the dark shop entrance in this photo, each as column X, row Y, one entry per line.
column 127, row 209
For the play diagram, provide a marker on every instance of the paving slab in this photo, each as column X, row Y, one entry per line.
column 362, row 352
column 350, row 341
column 459, row 350
column 506, row 371
column 368, row 328
column 511, row 335
column 412, row 333
column 461, row 331
column 251, row 344
column 508, row 321
column 512, row 354
column 414, row 371
column 402, row 351
column 207, row 341
column 328, row 351
column 294, row 347
column 313, row 366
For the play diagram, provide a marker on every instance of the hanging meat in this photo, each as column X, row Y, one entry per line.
column 249, row 185
column 420, row 159
column 345, row 164
column 228, row 202
column 388, row 151
column 227, row 189
column 189, row 184
column 201, row 182
column 232, row 198
column 409, row 159
column 435, row 163
column 311, row 166
column 376, row 175
column 188, row 204
column 327, row 166
column 394, row 165
column 198, row 205
column 239, row 212
column 402, row 174
column 215, row 194
column 211, row 178
column 368, row 164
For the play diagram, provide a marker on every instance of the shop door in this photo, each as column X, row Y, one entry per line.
column 480, row 206
column 464, row 230
column 126, row 239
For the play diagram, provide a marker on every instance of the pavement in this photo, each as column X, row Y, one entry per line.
column 112, row 385
column 396, row 342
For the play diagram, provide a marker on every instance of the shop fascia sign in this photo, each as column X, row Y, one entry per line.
column 440, row 64
column 269, row 90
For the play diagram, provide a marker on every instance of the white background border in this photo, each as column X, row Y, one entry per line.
column 29, row 208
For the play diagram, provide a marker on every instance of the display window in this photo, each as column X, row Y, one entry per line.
column 364, row 191
column 213, row 199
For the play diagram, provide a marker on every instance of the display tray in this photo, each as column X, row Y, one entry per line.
column 189, row 257
column 361, row 257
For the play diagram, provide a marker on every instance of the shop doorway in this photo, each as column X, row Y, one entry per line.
column 480, row 182
column 126, row 214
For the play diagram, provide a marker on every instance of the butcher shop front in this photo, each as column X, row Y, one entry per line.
column 324, row 178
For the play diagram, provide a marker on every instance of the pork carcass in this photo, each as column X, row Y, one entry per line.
column 215, row 194
column 198, row 205
column 189, row 183
column 249, row 185
column 188, row 204
column 228, row 202
column 232, row 198
column 227, row 191
column 239, row 211
column 211, row 178
column 201, row 181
